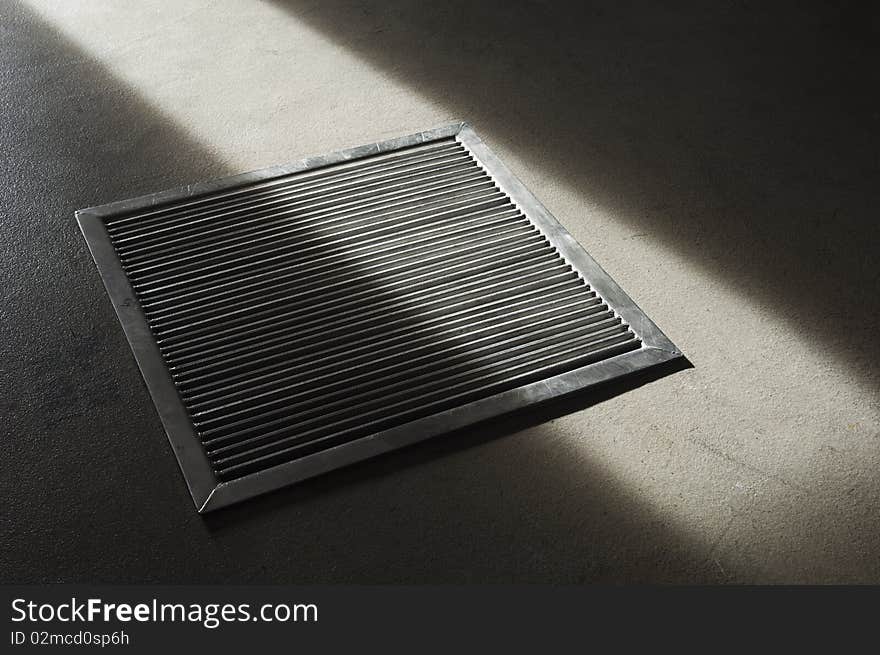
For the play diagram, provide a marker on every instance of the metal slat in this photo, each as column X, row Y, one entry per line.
column 408, row 344
column 233, row 363
column 482, row 227
column 165, row 215
column 281, row 449
column 365, row 304
column 463, row 264
column 346, row 249
column 380, row 227
column 405, row 369
column 498, row 236
column 242, row 219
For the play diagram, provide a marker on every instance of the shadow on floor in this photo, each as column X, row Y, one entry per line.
column 743, row 136
column 91, row 490
column 506, row 500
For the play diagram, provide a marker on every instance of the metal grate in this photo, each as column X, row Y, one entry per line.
column 297, row 319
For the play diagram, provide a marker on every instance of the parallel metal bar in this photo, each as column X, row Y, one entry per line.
column 376, row 397
column 436, row 321
column 258, row 457
column 474, row 183
column 508, row 274
column 482, row 199
column 138, row 219
column 471, row 324
column 132, row 241
column 374, row 280
column 247, row 215
column 483, row 226
column 382, row 369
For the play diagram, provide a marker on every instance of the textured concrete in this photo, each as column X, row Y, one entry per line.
column 722, row 165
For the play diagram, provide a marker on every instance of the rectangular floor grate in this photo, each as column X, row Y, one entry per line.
column 297, row 319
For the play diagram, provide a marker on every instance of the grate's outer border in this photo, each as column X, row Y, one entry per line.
column 209, row 494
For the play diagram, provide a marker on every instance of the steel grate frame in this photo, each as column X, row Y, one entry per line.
column 300, row 318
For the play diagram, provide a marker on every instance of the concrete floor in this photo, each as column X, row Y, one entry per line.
column 722, row 165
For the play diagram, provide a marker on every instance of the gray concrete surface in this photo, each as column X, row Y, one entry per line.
column 721, row 164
